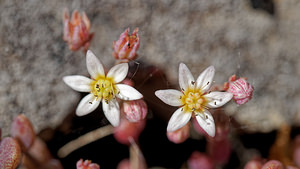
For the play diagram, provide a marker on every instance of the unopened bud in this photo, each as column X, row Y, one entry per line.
column 240, row 88
column 87, row 164
column 126, row 47
column 77, row 30
column 10, row 153
column 22, row 130
column 180, row 135
column 135, row 110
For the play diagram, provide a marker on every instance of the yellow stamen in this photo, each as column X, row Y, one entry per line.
column 104, row 88
column 193, row 100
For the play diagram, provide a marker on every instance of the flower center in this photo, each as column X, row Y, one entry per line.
column 104, row 88
column 193, row 100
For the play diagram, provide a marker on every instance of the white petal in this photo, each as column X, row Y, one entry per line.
column 127, row 92
column 205, row 79
column 112, row 112
column 170, row 96
column 94, row 66
column 88, row 104
column 178, row 120
column 185, row 76
column 118, row 72
column 217, row 99
column 206, row 121
column 78, row 83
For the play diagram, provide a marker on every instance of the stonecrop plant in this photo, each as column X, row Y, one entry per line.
column 102, row 87
column 127, row 111
column 194, row 99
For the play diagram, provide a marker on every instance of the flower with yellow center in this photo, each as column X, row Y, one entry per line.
column 103, row 88
column 194, row 98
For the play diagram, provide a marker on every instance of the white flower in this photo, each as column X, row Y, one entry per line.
column 194, row 98
column 103, row 88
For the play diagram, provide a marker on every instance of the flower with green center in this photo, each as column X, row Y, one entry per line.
column 103, row 88
column 193, row 99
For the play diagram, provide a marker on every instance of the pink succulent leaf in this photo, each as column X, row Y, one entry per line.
column 22, row 130
column 10, row 153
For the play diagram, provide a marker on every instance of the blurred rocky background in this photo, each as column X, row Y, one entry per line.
column 258, row 39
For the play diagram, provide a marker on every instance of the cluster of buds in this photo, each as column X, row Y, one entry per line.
column 125, row 48
column 87, row 164
column 240, row 88
column 23, row 145
column 77, row 30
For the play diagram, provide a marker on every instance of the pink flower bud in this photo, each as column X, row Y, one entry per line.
column 87, row 164
column 273, row 164
column 253, row 164
column 22, row 130
column 127, row 130
column 200, row 161
column 240, row 88
column 180, row 135
column 135, row 110
column 76, row 30
column 10, row 153
column 125, row 48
